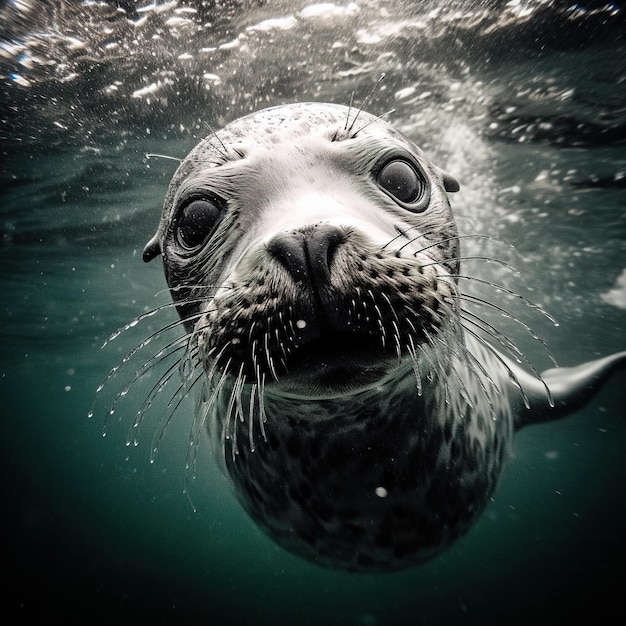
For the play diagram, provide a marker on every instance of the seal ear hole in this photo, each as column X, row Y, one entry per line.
column 196, row 222
column 404, row 182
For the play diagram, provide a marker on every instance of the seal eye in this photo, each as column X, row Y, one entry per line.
column 196, row 222
column 402, row 181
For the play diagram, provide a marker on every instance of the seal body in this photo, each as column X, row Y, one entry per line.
column 378, row 479
column 314, row 260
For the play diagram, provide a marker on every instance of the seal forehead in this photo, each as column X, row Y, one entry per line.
column 277, row 125
column 291, row 137
column 293, row 120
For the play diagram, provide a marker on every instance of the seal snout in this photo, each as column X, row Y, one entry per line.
column 307, row 253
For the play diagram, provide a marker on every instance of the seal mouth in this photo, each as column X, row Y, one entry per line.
column 336, row 362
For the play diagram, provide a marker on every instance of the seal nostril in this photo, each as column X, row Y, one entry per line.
column 307, row 253
column 288, row 248
column 321, row 247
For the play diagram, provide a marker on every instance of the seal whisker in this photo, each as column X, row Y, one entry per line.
column 345, row 127
column 239, row 412
column 452, row 343
column 439, row 367
column 359, row 299
column 201, row 416
column 493, row 332
column 432, row 365
column 379, row 318
column 463, row 390
column 390, row 306
column 425, row 232
column 529, row 303
column 378, row 117
column 182, row 342
column 363, row 105
column 512, row 375
column 144, row 367
column 229, row 417
column 251, row 331
column 383, row 333
column 288, row 341
column 409, row 322
column 292, row 328
column 475, row 365
column 190, row 359
column 403, row 232
column 506, row 343
column 235, row 410
column 410, row 348
column 366, row 315
column 124, row 391
column 487, row 259
column 187, row 493
column 352, row 314
column 147, row 402
column 154, row 155
column 239, row 399
column 147, row 314
column 283, row 349
column 396, row 337
column 253, row 352
column 507, row 314
column 395, row 322
column 435, row 316
column 224, row 150
column 251, row 417
column 260, row 380
column 151, row 362
column 454, row 238
column 209, row 374
column 400, row 232
column 268, row 356
column 475, row 369
column 180, row 394
column 189, row 287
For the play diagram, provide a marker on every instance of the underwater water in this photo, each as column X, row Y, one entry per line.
column 524, row 102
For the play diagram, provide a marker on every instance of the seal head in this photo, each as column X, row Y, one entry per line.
column 296, row 227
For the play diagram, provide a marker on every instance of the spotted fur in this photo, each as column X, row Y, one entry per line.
column 374, row 481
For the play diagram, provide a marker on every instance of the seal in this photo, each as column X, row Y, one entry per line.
column 362, row 417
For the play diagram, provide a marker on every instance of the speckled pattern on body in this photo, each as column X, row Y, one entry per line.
column 377, row 481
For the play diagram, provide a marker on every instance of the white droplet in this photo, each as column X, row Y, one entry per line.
column 301, row 324
column 381, row 492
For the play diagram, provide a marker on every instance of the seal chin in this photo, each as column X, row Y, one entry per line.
column 335, row 365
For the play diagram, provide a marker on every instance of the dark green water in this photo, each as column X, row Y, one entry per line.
column 92, row 528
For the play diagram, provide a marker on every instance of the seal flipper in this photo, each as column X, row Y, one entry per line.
column 571, row 388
